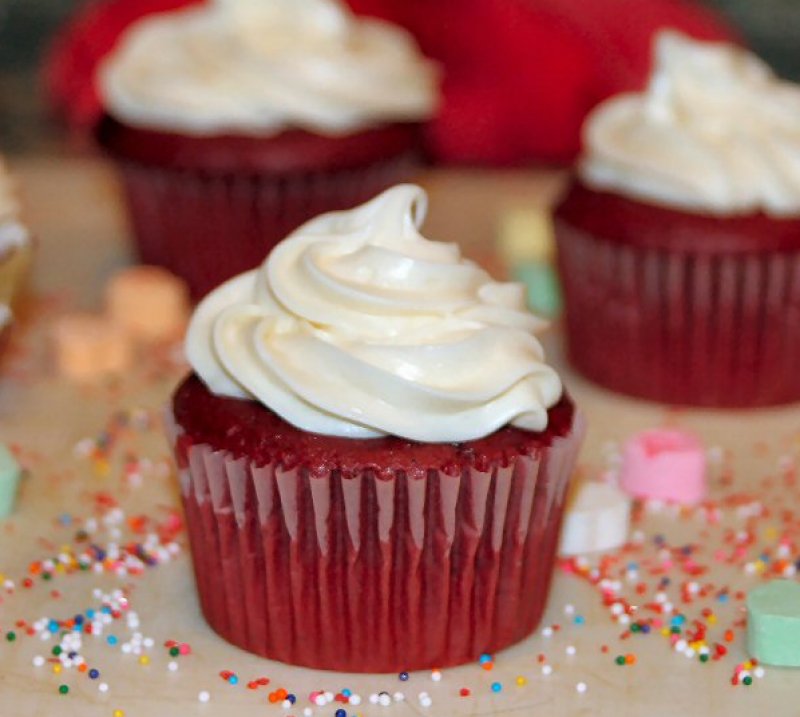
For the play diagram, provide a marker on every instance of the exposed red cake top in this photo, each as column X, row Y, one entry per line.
column 628, row 221
column 289, row 151
column 247, row 428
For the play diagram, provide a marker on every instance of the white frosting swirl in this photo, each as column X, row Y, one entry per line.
column 261, row 66
column 714, row 132
column 357, row 326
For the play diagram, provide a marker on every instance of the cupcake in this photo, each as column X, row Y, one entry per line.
column 373, row 453
column 235, row 121
column 679, row 241
column 14, row 250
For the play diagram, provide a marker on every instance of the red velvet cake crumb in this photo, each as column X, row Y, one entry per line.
column 289, row 151
column 609, row 216
column 246, row 428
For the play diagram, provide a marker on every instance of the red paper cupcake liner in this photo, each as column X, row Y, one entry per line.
column 369, row 573
column 207, row 227
column 702, row 328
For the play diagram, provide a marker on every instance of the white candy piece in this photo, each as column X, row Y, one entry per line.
column 597, row 519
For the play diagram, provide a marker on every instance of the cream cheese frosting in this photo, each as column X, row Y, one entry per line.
column 714, row 132
column 261, row 66
column 358, row 326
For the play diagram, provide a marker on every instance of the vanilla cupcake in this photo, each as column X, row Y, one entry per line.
column 236, row 120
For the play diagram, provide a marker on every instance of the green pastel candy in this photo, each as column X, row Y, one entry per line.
column 544, row 291
column 773, row 623
column 10, row 474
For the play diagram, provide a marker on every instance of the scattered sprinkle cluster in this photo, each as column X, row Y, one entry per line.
column 654, row 588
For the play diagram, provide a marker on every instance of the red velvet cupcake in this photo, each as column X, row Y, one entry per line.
column 679, row 244
column 373, row 454
column 244, row 118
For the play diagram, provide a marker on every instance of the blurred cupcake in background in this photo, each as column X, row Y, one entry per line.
column 235, row 121
column 679, row 241
column 14, row 249
column 496, row 60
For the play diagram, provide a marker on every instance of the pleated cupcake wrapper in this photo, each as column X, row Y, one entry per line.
column 369, row 574
column 209, row 227
column 698, row 328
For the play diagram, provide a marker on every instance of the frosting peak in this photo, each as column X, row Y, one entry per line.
column 307, row 20
column 262, row 66
column 358, row 326
column 715, row 132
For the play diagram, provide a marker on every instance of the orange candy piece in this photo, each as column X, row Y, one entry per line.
column 148, row 302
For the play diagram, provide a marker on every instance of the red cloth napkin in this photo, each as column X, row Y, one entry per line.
column 519, row 76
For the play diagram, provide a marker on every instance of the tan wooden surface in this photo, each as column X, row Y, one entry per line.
column 75, row 213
